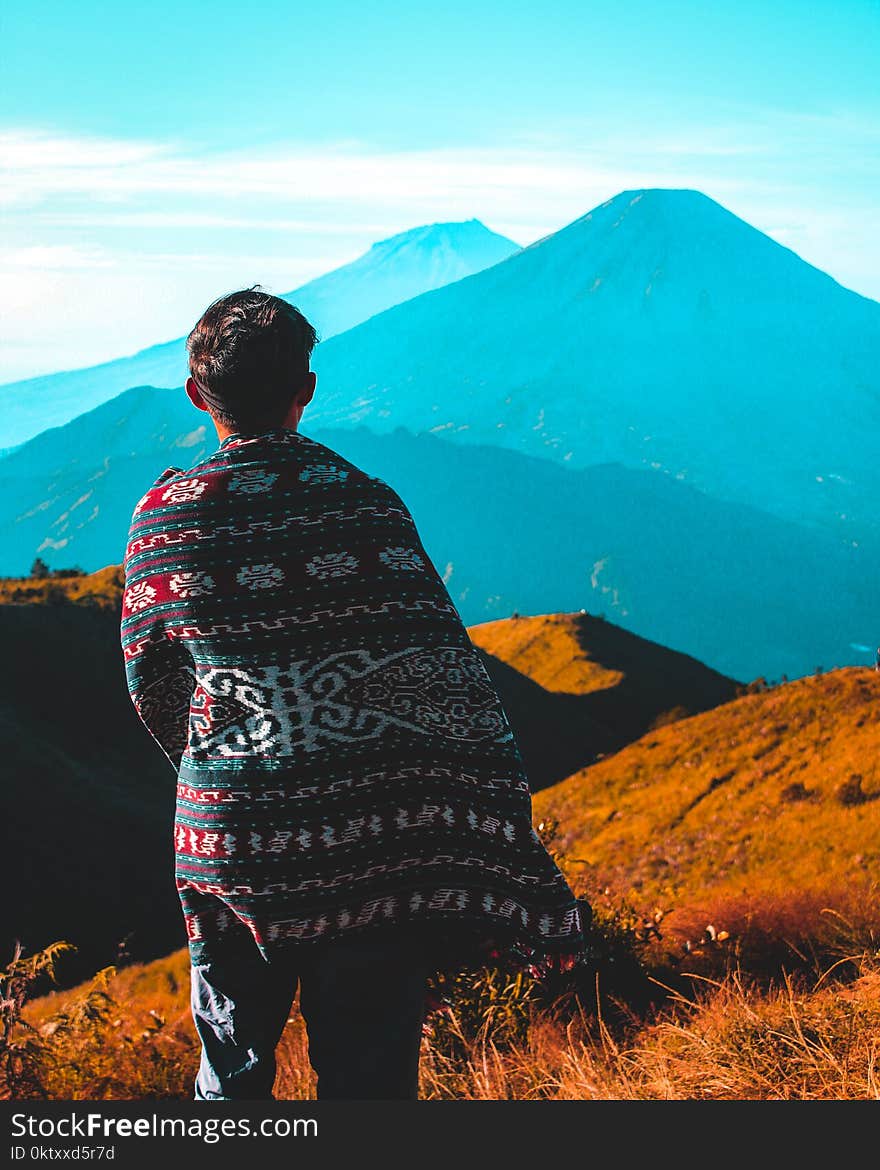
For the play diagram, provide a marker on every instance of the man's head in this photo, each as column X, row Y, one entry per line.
column 249, row 362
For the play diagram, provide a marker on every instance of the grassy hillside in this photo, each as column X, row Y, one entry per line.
column 752, row 828
column 774, row 792
column 89, row 797
column 102, row 589
column 576, row 687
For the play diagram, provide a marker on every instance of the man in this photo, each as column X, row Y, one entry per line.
column 352, row 812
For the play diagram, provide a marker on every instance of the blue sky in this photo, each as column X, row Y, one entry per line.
column 158, row 155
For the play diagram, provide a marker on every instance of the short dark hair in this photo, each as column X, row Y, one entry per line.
column 246, row 352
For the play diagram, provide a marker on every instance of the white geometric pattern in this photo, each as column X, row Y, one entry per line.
column 192, row 584
column 139, row 596
column 406, row 559
column 260, row 576
column 251, row 480
column 183, row 490
column 350, row 697
column 334, row 564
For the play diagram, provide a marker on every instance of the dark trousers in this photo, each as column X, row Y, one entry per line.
column 363, row 1004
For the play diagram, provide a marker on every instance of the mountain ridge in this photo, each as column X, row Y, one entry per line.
column 391, row 270
column 662, row 331
column 670, row 563
column 663, row 199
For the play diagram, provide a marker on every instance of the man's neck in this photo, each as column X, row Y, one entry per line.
column 290, row 422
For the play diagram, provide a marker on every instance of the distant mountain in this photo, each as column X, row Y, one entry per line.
column 397, row 269
column 392, row 271
column 68, row 494
column 733, row 586
column 660, row 331
column 89, row 798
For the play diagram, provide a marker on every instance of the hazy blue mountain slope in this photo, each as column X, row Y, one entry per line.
column 660, row 331
column 66, row 495
column 396, row 269
column 392, row 271
column 743, row 591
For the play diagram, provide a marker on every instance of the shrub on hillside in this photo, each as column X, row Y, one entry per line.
column 850, row 791
column 96, row 1045
column 673, row 715
column 23, row 1057
column 793, row 793
column 771, row 935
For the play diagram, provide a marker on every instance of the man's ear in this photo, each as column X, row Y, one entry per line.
column 192, row 393
column 308, row 390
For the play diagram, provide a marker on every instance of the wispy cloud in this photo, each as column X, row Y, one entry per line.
column 55, row 257
column 346, row 188
column 40, row 167
column 156, row 229
column 200, row 220
column 345, row 191
column 34, row 150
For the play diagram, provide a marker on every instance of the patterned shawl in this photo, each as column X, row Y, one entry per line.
column 344, row 763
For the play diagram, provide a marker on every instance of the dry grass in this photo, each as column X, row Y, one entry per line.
column 753, row 797
column 739, row 1037
column 800, row 932
column 732, row 862
column 125, row 1035
column 731, row 1042
column 128, row 1035
column 547, row 649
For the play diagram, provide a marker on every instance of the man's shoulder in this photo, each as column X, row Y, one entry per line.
column 321, row 463
column 188, row 485
column 173, row 485
column 244, row 472
column 150, row 496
